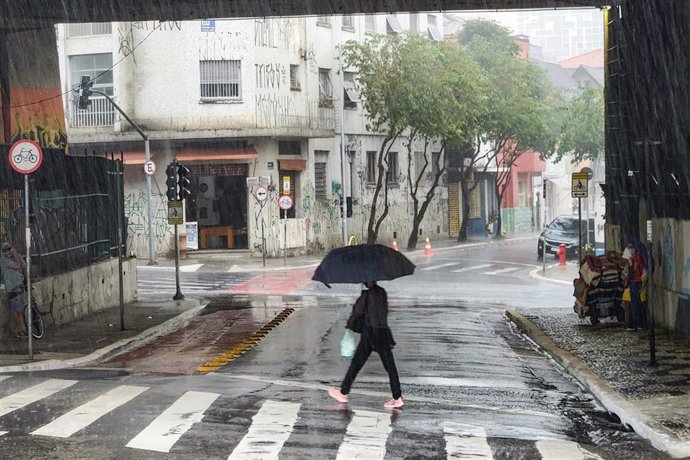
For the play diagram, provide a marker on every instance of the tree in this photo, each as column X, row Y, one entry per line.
column 421, row 91
column 582, row 129
column 516, row 120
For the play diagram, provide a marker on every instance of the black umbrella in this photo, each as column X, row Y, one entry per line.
column 362, row 263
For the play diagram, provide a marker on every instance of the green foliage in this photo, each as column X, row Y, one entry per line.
column 582, row 127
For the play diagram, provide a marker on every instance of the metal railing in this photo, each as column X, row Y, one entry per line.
column 100, row 113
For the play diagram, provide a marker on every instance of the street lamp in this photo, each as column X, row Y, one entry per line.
column 85, row 90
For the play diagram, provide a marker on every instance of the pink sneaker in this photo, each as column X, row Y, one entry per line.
column 338, row 395
column 394, row 403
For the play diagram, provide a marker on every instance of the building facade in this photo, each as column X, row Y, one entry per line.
column 245, row 105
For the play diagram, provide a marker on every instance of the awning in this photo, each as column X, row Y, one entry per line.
column 248, row 153
column 292, row 165
column 133, row 158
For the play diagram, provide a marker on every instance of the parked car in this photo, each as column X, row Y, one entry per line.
column 564, row 230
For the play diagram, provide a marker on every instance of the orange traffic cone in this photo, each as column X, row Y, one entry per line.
column 395, row 244
column 427, row 248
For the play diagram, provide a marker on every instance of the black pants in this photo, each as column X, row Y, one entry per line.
column 362, row 353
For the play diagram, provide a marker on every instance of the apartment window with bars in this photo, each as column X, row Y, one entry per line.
column 392, row 176
column 220, row 80
column 320, row 179
column 348, row 22
column 89, row 28
column 370, row 24
column 294, row 78
column 325, row 85
column 523, row 195
column 289, row 148
column 371, row 166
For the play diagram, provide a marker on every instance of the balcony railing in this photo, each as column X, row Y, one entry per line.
column 317, row 117
column 100, row 113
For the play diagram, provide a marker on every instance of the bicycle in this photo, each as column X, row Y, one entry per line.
column 37, row 328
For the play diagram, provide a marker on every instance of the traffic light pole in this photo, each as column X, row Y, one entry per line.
column 147, row 157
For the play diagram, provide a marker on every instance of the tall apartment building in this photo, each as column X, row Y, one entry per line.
column 242, row 104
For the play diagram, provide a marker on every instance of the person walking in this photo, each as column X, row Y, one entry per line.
column 637, row 313
column 370, row 317
column 12, row 269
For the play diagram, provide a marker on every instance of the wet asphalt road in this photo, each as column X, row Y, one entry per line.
column 472, row 385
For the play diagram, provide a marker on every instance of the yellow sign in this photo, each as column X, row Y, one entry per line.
column 175, row 212
column 286, row 185
column 580, row 185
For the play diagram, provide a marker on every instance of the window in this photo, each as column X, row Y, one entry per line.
column 324, row 21
column 371, row 166
column 419, row 161
column 89, row 28
column 348, row 22
column 392, row 176
column 523, row 196
column 97, row 66
column 393, row 26
column 325, row 86
column 220, row 80
column 434, row 33
column 289, row 148
column 350, row 96
column 320, row 179
column 294, row 78
column 369, row 24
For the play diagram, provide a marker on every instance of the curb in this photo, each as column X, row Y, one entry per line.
column 657, row 435
column 534, row 274
column 121, row 346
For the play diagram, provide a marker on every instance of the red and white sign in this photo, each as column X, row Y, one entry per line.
column 26, row 156
column 285, row 202
column 261, row 194
column 150, row 168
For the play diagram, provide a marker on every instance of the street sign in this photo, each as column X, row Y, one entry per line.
column 175, row 212
column 286, row 185
column 261, row 194
column 285, row 202
column 270, row 166
column 580, row 185
column 25, row 156
column 150, row 168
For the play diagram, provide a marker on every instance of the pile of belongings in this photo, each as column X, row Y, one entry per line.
column 601, row 284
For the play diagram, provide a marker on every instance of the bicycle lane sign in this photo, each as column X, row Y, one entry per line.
column 25, row 156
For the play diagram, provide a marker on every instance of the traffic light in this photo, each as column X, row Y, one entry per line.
column 84, row 93
column 182, row 182
column 171, row 181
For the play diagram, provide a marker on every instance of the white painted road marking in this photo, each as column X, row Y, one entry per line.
column 35, row 393
column 466, row 269
column 190, row 267
column 503, row 270
column 84, row 415
column 466, row 441
column 450, row 264
column 366, row 436
column 564, row 450
column 175, row 421
column 270, row 428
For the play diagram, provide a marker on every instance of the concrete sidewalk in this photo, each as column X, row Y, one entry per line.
column 614, row 365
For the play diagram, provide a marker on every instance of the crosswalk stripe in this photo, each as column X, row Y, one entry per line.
column 366, row 436
column 175, row 421
column 32, row 394
column 84, row 415
column 270, row 428
column 564, row 450
column 449, row 264
column 503, row 270
column 190, row 267
column 466, row 269
column 466, row 441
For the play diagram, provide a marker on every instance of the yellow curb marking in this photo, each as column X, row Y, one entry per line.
column 245, row 345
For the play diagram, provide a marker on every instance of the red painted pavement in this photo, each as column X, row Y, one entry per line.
column 284, row 283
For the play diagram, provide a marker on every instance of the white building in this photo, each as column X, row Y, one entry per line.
column 242, row 104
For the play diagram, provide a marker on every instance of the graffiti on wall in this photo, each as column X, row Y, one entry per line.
column 125, row 38
column 273, row 110
column 311, row 59
column 272, row 32
column 136, row 210
column 224, row 45
column 270, row 76
column 41, row 121
column 165, row 26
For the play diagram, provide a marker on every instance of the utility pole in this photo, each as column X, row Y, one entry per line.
column 85, row 90
column 343, row 193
